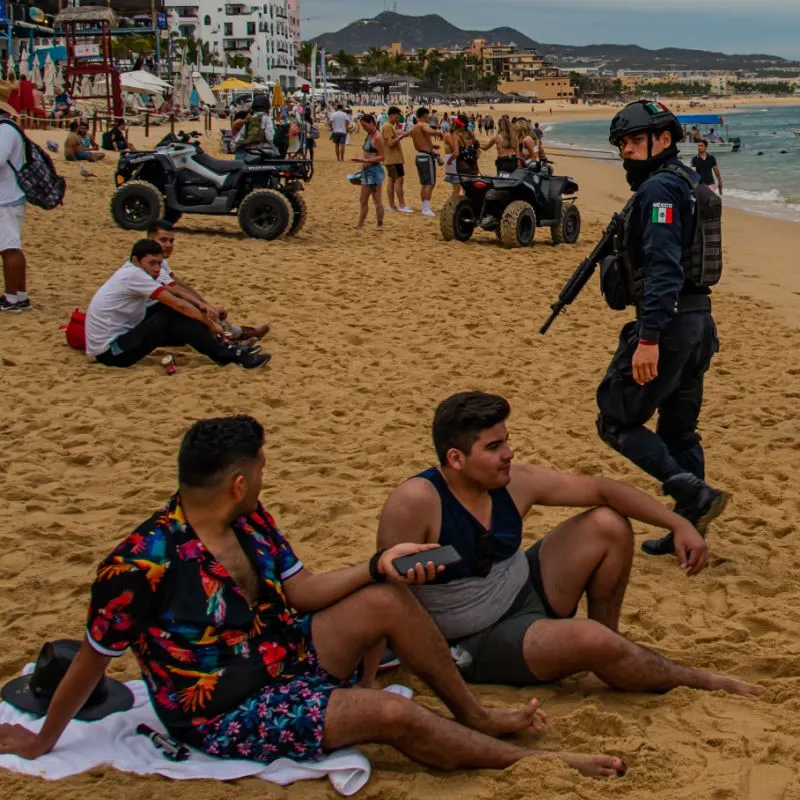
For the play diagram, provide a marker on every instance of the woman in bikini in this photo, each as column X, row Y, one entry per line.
column 461, row 151
column 530, row 146
column 507, row 146
column 372, row 173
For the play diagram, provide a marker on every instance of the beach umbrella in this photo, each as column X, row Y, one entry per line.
column 10, row 72
column 36, row 74
column 86, row 87
column 51, row 79
column 278, row 99
column 99, row 85
column 23, row 61
column 230, row 84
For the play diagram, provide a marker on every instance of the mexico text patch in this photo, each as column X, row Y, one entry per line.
column 662, row 212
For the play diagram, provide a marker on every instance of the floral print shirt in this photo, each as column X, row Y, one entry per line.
column 202, row 648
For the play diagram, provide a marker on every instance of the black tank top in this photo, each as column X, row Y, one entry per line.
column 461, row 529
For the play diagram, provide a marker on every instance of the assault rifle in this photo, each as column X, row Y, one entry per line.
column 572, row 288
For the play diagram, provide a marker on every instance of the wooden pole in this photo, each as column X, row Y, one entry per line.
column 94, row 124
column 146, row 124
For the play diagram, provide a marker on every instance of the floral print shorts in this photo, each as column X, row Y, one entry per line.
column 284, row 720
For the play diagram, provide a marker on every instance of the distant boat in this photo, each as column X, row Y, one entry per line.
column 705, row 123
column 796, row 132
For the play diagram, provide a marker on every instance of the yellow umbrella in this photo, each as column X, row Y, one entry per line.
column 277, row 96
column 231, row 83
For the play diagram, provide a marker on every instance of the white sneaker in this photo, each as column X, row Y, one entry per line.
column 429, row 213
column 406, row 210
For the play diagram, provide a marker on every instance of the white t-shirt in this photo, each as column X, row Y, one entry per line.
column 118, row 306
column 11, row 150
column 339, row 122
column 165, row 278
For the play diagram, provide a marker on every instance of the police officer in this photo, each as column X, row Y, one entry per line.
column 663, row 355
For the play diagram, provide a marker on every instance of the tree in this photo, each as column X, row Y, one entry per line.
column 304, row 57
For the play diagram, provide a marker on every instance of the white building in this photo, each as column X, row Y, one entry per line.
column 263, row 33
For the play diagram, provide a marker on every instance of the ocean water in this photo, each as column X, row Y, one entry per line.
column 759, row 178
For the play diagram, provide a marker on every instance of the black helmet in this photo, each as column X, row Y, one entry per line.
column 260, row 103
column 644, row 115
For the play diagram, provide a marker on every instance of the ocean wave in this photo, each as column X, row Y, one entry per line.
column 769, row 196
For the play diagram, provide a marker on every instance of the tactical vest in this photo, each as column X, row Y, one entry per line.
column 253, row 134
column 701, row 258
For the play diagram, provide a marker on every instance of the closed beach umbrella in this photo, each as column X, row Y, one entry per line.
column 10, row 73
column 51, row 80
column 278, row 99
column 99, row 85
column 86, row 87
column 36, row 74
column 23, row 62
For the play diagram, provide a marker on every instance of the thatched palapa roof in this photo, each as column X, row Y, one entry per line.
column 87, row 14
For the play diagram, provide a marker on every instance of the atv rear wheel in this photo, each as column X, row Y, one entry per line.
column 136, row 205
column 457, row 220
column 265, row 214
column 518, row 224
column 299, row 213
column 568, row 229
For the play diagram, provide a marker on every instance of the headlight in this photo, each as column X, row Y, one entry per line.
column 120, row 180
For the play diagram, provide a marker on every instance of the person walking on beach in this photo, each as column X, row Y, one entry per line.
column 339, row 123
column 12, row 208
column 372, row 173
column 705, row 165
column 510, row 613
column 248, row 654
column 394, row 162
column 663, row 355
column 422, row 134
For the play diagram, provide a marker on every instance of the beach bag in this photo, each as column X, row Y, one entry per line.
column 38, row 179
column 75, row 330
column 313, row 132
column 281, row 138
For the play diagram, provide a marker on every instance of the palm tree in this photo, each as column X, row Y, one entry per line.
column 398, row 64
column 304, row 57
column 238, row 61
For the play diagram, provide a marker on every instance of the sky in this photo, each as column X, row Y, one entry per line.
column 729, row 26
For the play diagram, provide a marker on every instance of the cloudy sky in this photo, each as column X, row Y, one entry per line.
column 731, row 26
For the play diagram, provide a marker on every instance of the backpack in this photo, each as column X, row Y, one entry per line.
column 252, row 133
column 75, row 330
column 313, row 132
column 281, row 138
column 703, row 259
column 37, row 177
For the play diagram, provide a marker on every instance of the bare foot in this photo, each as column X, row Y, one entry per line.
column 503, row 722
column 252, row 332
column 735, row 686
column 594, row 766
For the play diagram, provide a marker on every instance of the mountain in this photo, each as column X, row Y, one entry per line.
column 433, row 31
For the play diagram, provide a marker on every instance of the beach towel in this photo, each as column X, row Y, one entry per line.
column 114, row 741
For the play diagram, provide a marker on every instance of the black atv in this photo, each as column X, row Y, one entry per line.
column 179, row 178
column 513, row 205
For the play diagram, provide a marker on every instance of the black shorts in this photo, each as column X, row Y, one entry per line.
column 395, row 171
column 426, row 169
column 497, row 651
column 339, row 138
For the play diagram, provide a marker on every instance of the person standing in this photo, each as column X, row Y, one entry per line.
column 538, row 131
column 395, row 167
column 705, row 165
column 372, row 173
column 12, row 208
column 663, row 355
column 339, row 122
column 422, row 135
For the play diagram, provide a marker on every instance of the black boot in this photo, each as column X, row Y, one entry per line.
column 695, row 501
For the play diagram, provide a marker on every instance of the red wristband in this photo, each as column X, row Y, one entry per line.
column 649, row 344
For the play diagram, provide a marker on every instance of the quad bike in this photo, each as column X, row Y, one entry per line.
column 179, row 178
column 513, row 205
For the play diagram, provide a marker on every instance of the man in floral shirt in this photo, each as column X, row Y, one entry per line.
column 247, row 654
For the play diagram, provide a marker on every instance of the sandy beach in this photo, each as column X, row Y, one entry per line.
column 370, row 330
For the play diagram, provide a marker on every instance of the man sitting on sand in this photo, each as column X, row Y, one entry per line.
column 79, row 145
column 422, row 134
column 120, row 330
column 163, row 232
column 511, row 612
column 248, row 654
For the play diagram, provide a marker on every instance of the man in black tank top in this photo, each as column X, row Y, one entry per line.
column 520, row 628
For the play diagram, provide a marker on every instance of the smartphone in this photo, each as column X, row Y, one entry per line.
column 442, row 556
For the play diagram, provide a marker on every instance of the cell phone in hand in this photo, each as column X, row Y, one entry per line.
column 441, row 557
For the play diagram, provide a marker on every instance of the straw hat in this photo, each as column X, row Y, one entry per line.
column 6, row 87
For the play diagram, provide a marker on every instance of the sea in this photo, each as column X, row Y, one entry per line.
column 763, row 177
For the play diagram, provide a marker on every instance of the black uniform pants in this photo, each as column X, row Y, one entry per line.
column 687, row 345
column 164, row 327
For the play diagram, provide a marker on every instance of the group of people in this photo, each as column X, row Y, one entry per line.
column 517, row 144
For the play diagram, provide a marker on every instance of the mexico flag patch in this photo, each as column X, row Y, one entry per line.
column 662, row 212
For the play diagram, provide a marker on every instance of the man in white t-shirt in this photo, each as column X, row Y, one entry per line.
column 339, row 122
column 12, row 208
column 121, row 331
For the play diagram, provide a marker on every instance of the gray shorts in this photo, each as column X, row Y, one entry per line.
column 497, row 651
column 339, row 138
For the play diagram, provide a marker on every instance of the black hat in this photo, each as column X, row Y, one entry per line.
column 32, row 693
column 644, row 115
column 260, row 103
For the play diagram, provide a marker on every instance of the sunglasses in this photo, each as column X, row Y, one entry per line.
column 485, row 548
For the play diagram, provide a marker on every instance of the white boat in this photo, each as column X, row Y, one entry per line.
column 705, row 123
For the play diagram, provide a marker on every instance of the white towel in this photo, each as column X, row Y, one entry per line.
column 114, row 741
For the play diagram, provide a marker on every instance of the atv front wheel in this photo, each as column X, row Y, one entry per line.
column 568, row 229
column 299, row 213
column 457, row 220
column 265, row 214
column 136, row 205
column 518, row 224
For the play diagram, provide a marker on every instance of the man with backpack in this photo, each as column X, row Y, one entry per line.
column 669, row 254
column 257, row 128
column 12, row 208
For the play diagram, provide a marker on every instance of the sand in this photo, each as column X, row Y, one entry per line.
column 370, row 330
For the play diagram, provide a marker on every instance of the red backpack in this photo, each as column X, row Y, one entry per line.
column 75, row 330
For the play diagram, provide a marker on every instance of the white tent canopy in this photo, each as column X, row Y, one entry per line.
column 142, row 81
column 203, row 89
